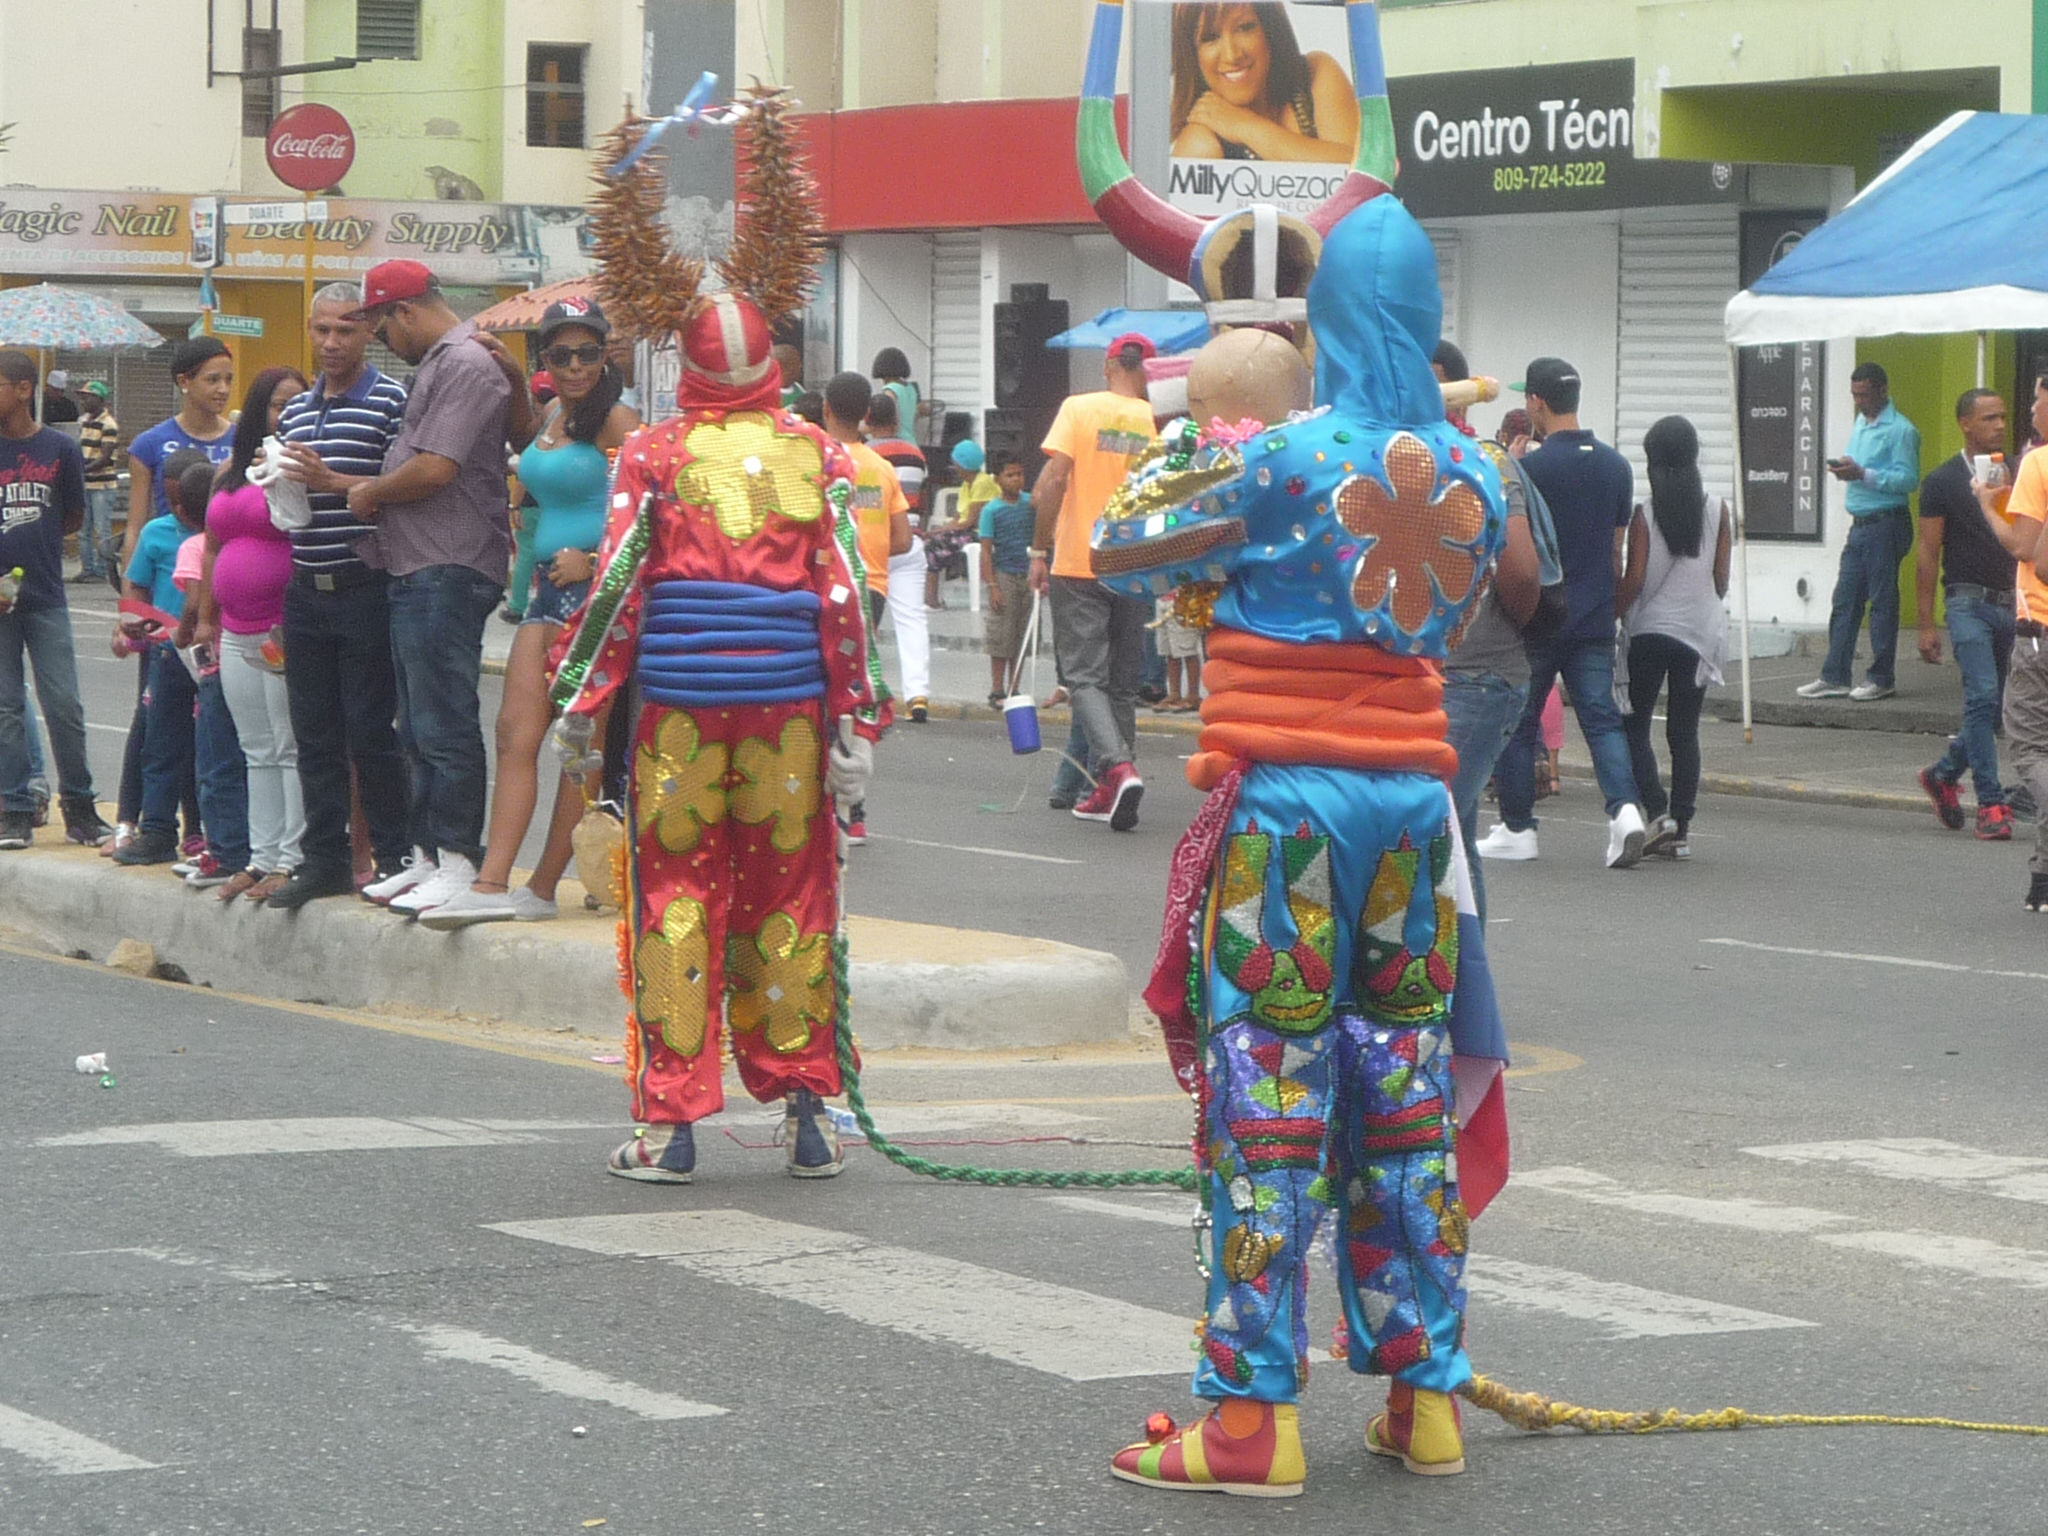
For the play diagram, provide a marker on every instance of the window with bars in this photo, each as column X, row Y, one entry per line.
column 262, row 48
column 554, row 95
column 387, row 29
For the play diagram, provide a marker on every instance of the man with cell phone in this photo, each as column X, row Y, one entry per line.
column 1880, row 467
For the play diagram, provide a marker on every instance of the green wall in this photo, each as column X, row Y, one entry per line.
column 444, row 108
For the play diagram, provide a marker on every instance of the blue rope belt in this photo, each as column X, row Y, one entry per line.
column 721, row 644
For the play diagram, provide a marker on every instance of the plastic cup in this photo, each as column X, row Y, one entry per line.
column 1020, row 718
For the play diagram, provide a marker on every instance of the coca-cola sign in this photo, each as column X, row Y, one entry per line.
column 310, row 147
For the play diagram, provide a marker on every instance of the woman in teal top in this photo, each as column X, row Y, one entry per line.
column 567, row 471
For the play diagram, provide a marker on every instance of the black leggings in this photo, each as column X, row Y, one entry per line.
column 1653, row 662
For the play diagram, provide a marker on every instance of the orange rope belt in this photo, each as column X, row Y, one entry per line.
column 1336, row 706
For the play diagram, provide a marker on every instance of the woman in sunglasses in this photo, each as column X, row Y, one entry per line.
column 566, row 469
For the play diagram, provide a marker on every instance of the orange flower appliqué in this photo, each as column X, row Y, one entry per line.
column 1424, row 539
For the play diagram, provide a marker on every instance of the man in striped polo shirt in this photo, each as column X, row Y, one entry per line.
column 337, row 617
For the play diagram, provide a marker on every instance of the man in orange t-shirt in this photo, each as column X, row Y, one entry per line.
column 1098, row 636
column 2026, row 687
column 881, row 517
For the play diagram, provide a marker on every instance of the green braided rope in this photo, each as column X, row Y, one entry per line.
column 960, row 1173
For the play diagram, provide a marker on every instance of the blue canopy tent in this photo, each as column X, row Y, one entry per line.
column 1170, row 330
column 1953, row 237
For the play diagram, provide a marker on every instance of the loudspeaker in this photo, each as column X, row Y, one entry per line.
column 1028, row 373
column 1020, row 432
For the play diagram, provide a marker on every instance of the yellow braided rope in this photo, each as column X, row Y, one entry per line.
column 1532, row 1410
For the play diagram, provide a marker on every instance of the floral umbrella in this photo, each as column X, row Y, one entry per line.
column 522, row 311
column 53, row 319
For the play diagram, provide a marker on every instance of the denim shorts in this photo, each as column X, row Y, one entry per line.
column 551, row 604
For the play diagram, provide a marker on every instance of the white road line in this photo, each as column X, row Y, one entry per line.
column 993, row 853
column 248, row 1138
column 1619, row 1311
column 1925, row 1161
column 1963, row 1255
column 552, row 1375
column 1176, row 1213
column 1040, row 1326
column 1903, row 961
column 1752, row 1215
column 60, row 1450
column 921, row 1119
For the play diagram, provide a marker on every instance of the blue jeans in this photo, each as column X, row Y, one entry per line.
column 96, row 537
column 1869, row 574
column 222, row 771
column 1481, row 711
column 1982, row 635
column 43, row 635
column 1587, row 667
column 437, row 644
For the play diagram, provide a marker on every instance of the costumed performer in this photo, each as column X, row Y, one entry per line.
column 1321, row 981
column 730, row 589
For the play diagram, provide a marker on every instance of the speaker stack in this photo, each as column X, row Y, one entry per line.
column 1031, row 378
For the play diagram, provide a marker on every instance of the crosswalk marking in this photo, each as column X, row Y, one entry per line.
column 60, row 1450
column 552, row 1375
column 1906, row 962
column 1925, row 1160
column 1753, row 1215
column 249, row 1138
column 1620, row 1311
column 1617, row 1310
column 1962, row 1255
column 1043, row 1327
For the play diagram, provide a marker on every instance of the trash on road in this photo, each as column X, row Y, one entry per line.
column 580, row 1431
column 107, row 1081
column 97, row 1062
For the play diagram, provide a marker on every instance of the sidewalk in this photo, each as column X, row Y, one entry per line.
column 913, row 984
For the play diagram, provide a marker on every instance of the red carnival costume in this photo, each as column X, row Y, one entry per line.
column 730, row 595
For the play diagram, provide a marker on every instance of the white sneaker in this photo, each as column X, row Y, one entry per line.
column 1821, row 688
column 467, row 907
column 451, row 878
column 1508, row 845
column 1625, row 837
column 1863, row 693
column 416, row 868
column 529, row 908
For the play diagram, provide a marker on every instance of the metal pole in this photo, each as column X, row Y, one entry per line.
column 1983, row 340
column 306, row 318
column 1741, row 539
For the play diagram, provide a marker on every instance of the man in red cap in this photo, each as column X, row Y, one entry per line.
column 1098, row 635
column 730, row 587
column 443, row 534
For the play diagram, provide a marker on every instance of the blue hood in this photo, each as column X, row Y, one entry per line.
column 1377, row 311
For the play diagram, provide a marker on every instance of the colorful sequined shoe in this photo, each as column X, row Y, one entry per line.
column 657, row 1154
column 1420, row 1427
column 809, row 1139
column 1240, row 1446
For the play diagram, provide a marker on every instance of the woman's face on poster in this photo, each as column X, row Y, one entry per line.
column 1235, row 56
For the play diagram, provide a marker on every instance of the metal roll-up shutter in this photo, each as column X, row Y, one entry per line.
column 1449, row 258
column 1678, row 272
column 956, row 328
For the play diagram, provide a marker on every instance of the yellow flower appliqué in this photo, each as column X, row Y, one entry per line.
column 671, row 967
column 743, row 469
column 1425, row 538
column 780, row 981
column 779, row 784
column 680, row 782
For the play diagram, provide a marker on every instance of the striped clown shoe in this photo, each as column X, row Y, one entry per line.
column 1240, row 1446
column 1422, row 1428
column 657, row 1154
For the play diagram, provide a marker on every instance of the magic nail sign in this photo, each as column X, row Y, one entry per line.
column 310, row 147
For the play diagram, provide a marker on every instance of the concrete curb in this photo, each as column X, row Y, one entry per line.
column 1784, row 789
column 913, row 985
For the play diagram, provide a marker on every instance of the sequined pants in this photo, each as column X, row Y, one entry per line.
column 1331, row 950
column 733, row 868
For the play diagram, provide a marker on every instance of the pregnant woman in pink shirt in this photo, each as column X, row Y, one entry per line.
column 248, row 562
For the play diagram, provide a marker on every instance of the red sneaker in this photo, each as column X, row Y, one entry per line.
column 1994, row 824
column 1948, row 803
column 856, row 832
column 1115, row 798
column 1240, row 1446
